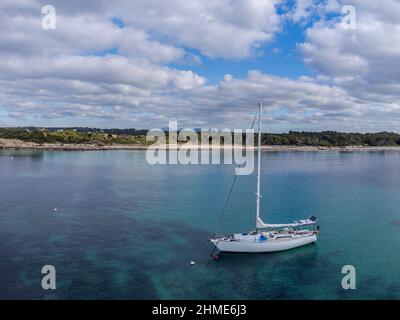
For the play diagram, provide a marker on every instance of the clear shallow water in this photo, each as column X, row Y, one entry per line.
column 125, row 229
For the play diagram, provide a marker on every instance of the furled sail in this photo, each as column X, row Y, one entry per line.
column 312, row 220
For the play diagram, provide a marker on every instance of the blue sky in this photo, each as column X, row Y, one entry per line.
column 142, row 63
column 281, row 57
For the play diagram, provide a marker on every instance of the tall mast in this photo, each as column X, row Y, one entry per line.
column 258, row 194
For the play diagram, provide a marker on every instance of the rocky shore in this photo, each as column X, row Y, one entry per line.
column 24, row 145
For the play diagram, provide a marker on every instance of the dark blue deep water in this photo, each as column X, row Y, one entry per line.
column 125, row 229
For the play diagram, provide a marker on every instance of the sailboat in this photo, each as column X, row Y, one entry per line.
column 268, row 237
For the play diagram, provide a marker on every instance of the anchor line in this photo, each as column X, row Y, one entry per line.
column 221, row 216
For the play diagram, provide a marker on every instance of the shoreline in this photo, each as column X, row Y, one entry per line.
column 14, row 144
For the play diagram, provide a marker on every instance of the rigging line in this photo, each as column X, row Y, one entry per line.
column 231, row 188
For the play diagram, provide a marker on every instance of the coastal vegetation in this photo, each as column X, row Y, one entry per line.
column 138, row 137
column 332, row 139
column 75, row 135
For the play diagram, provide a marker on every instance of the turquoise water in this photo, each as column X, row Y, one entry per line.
column 125, row 229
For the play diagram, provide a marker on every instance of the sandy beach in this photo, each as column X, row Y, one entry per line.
column 24, row 145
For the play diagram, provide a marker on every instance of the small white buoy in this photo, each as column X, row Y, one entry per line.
column 192, row 263
column 55, row 209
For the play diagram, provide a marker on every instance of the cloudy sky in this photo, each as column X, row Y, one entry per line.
column 204, row 63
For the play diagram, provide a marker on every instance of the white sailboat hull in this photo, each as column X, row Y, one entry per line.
column 251, row 244
column 281, row 237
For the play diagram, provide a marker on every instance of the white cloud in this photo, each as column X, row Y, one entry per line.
column 91, row 72
column 221, row 28
column 361, row 60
